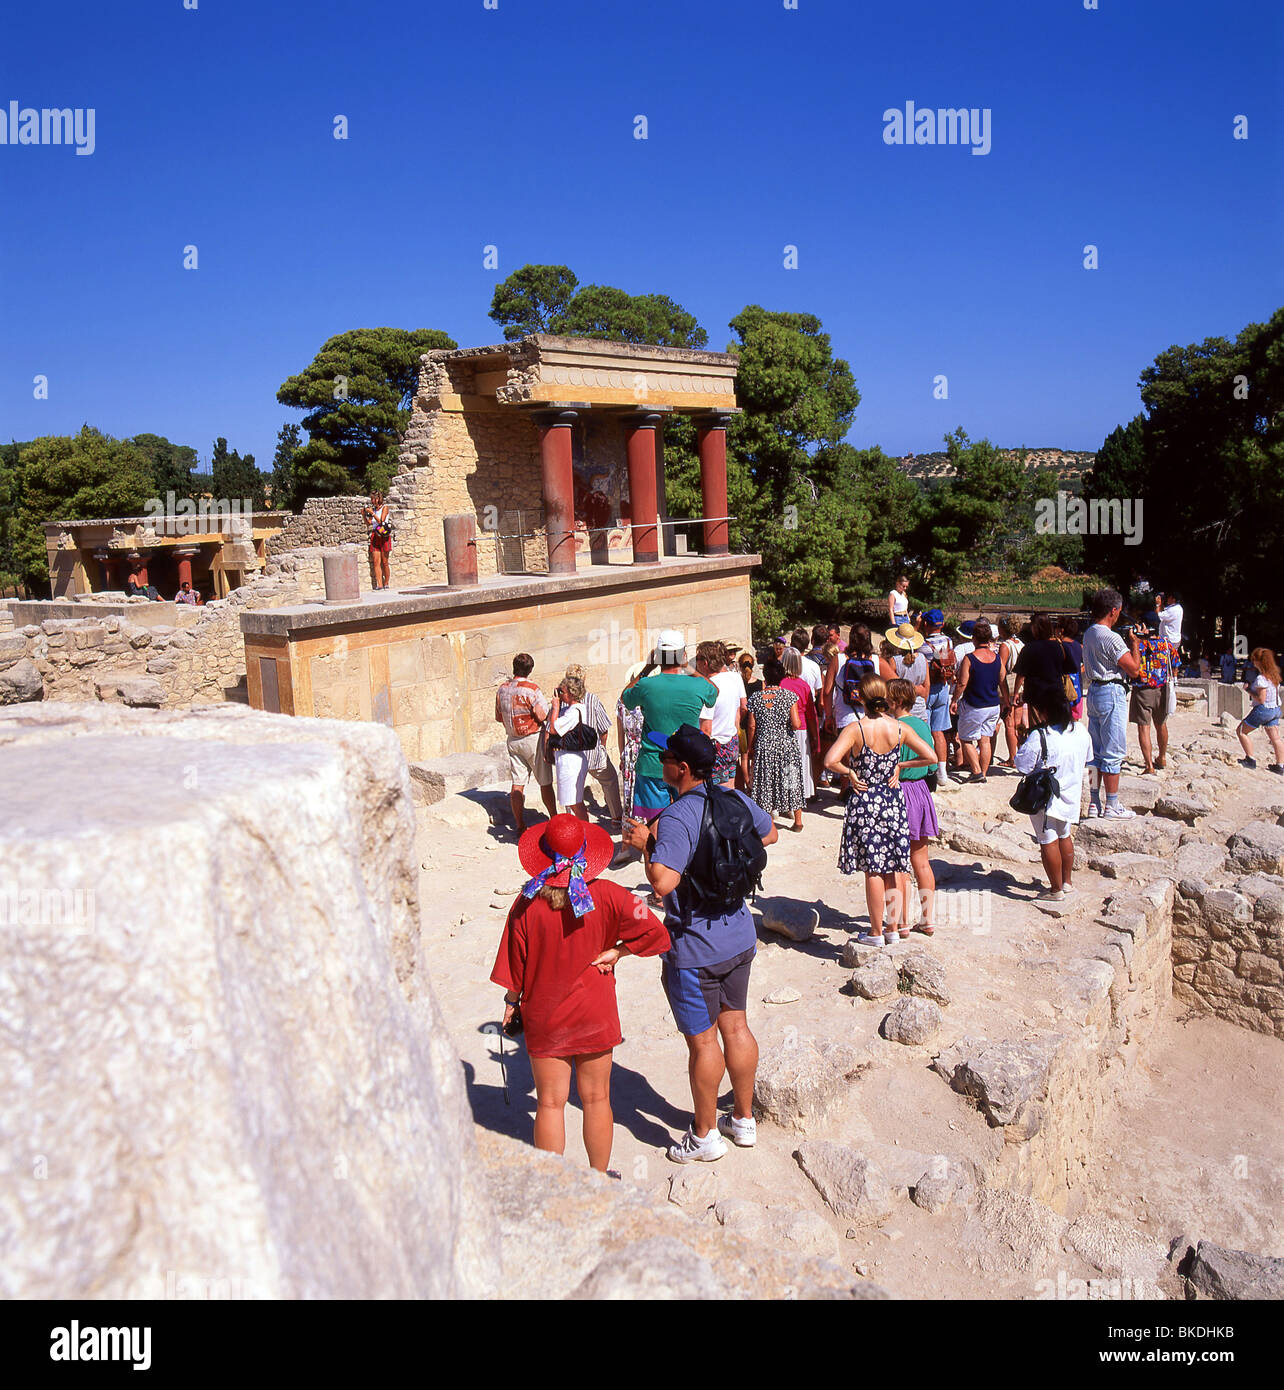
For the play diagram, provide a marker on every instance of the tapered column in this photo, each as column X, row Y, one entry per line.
column 185, row 558
column 641, row 436
column 712, row 439
column 559, row 487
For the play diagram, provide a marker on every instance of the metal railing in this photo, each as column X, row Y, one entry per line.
column 658, row 525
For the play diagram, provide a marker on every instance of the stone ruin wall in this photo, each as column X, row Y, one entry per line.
column 200, row 661
column 324, row 521
column 453, row 463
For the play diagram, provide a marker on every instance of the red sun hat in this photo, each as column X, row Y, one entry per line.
column 563, row 835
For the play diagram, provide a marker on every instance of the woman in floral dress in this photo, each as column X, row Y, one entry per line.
column 774, row 719
column 875, row 839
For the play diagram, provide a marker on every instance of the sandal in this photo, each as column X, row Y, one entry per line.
column 925, row 929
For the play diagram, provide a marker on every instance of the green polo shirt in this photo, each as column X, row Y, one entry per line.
column 667, row 702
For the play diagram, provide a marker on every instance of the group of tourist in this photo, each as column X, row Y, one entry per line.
column 709, row 755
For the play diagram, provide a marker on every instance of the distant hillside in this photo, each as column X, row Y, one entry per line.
column 1068, row 464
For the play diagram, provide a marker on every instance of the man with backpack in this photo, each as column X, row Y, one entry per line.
column 705, row 856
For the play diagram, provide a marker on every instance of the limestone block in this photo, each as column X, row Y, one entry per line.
column 264, row 1091
column 913, row 1022
column 944, row 1184
column 923, row 974
column 1216, row 1272
column 788, row 918
column 1003, row 1077
column 876, row 979
column 800, row 1081
column 20, row 683
column 1258, row 846
column 851, row 1185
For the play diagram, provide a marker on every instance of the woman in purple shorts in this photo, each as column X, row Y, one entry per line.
column 920, row 808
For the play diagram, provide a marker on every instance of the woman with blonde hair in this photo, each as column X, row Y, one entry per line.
column 1264, row 691
column 600, row 767
column 564, row 934
column 570, row 764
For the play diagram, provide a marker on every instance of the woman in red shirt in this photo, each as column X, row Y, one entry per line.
column 557, row 959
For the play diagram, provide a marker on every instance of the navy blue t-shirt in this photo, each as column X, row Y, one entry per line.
column 708, row 940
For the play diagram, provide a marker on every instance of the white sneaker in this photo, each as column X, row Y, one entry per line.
column 1120, row 812
column 693, row 1150
column 1092, row 812
column 742, row 1133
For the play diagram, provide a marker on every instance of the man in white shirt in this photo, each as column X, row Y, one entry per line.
column 1108, row 662
column 1170, row 613
column 713, row 662
column 815, row 678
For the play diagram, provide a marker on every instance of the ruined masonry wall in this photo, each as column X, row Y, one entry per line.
column 452, row 463
column 201, row 661
column 324, row 521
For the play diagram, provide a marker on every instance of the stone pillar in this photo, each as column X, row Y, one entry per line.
column 641, row 437
column 461, row 549
column 342, row 578
column 712, row 436
column 559, row 487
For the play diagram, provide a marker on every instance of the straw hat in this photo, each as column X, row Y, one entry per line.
column 561, row 837
column 904, row 637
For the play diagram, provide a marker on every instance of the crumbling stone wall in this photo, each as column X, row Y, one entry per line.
column 1228, row 942
column 200, row 661
column 486, row 462
column 324, row 521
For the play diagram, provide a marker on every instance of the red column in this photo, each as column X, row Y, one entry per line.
column 559, row 488
column 642, row 485
column 185, row 567
column 712, row 437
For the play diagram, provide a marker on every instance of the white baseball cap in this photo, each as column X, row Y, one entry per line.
column 670, row 641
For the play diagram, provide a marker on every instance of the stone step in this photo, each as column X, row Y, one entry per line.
column 436, row 778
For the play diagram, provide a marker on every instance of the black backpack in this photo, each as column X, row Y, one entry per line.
column 1037, row 789
column 729, row 858
column 855, row 669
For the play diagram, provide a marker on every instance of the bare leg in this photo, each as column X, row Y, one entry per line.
column 1066, row 847
column 973, row 762
column 1051, row 856
column 898, row 905
column 593, row 1082
column 1147, row 755
column 578, row 811
column 549, row 800
column 924, row 878
column 705, row 1067
column 1244, row 741
column 552, row 1090
column 741, row 1048
column 875, row 902
column 1276, row 742
column 986, row 752
column 517, row 797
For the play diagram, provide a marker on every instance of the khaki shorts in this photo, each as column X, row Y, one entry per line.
column 1148, row 707
column 526, row 759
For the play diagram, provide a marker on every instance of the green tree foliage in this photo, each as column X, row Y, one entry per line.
column 1119, row 470
column 1207, row 463
column 172, row 464
column 288, row 440
column 358, row 391
column 236, row 479
column 532, row 300
column 545, row 299
column 75, row 477
column 602, row 311
column 10, row 497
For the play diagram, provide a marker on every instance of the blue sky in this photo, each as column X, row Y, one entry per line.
column 515, row 127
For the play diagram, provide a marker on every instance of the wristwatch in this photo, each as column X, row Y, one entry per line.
column 650, row 843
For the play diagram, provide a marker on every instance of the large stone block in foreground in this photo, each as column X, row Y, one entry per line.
column 222, row 1071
